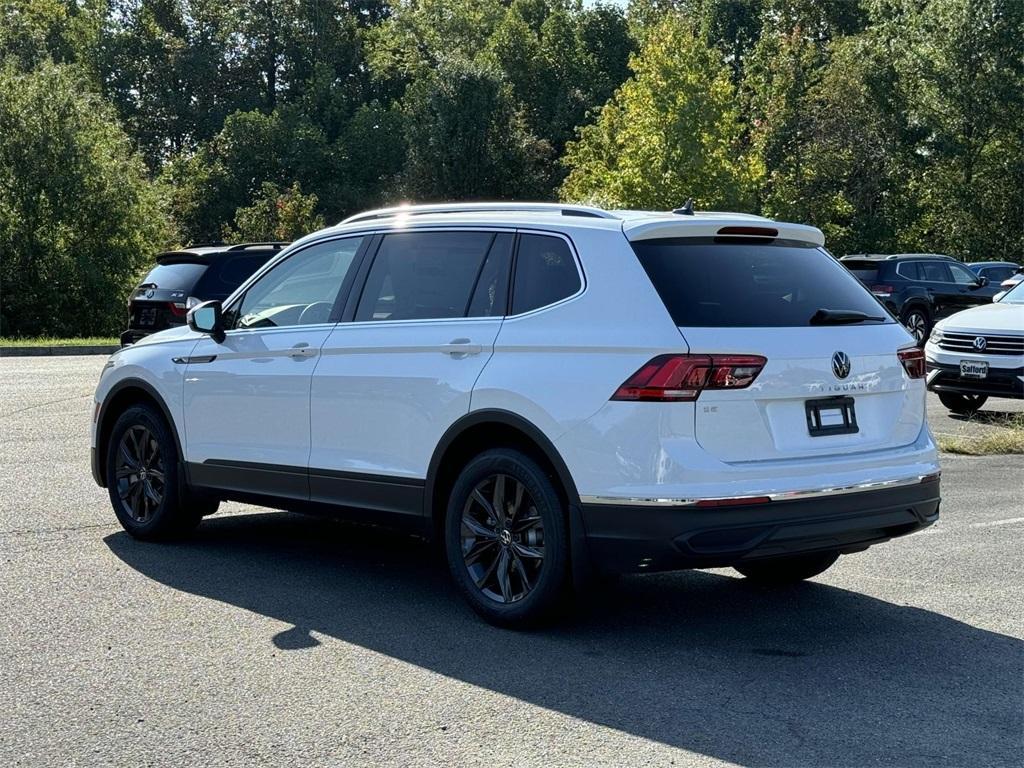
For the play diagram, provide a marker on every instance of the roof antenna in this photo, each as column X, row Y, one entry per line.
column 687, row 209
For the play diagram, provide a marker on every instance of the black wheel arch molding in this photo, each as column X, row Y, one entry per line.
column 106, row 417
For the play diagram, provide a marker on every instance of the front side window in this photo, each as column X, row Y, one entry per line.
column 545, row 273
column 424, row 276
column 301, row 290
column 962, row 276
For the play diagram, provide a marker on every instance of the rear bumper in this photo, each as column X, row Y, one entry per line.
column 1000, row 382
column 633, row 538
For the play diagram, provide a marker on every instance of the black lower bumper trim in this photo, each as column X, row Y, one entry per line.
column 641, row 538
column 1000, row 382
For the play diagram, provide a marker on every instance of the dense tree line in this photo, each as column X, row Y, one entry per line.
column 131, row 125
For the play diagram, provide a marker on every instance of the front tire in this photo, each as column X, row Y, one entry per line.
column 787, row 570
column 506, row 539
column 964, row 405
column 142, row 478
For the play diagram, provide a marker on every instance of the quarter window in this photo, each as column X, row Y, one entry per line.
column 545, row 273
column 425, row 276
column 301, row 290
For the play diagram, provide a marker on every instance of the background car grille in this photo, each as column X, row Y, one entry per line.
column 994, row 345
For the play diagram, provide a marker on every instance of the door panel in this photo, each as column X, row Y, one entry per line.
column 384, row 394
column 247, row 398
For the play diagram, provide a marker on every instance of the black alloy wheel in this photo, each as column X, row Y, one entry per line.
column 502, row 539
column 506, row 538
column 141, row 478
column 142, row 470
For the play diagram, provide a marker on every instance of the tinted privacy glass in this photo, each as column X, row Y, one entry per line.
column 227, row 273
column 783, row 284
column 545, row 273
column 174, row 277
column 866, row 271
column 490, row 297
column 934, row 272
column 997, row 274
column 423, row 276
column 300, row 290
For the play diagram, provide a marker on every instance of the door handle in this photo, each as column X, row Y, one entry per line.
column 301, row 350
column 461, row 348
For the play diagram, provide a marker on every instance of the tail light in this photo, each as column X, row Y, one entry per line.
column 178, row 309
column 913, row 362
column 883, row 291
column 669, row 378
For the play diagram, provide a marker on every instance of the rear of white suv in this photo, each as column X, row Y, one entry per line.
column 549, row 391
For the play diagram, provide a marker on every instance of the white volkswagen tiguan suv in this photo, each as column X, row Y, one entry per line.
column 550, row 391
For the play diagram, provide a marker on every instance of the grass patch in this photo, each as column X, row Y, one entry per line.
column 50, row 341
column 1009, row 439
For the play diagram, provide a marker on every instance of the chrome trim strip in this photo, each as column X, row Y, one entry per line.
column 780, row 496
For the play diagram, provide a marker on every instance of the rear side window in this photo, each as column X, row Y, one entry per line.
column 997, row 274
column 424, row 276
column 744, row 284
column 175, row 277
column 545, row 273
column 934, row 272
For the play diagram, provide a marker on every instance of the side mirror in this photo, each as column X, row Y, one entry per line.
column 982, row 282
column 208, row 318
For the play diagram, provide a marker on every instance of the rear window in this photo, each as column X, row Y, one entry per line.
column 865, row 271
column 997, row 274
column 742, row 284
column 229, row 272
column 174, row 277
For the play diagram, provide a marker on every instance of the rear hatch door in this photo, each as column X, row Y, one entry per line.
column 832, row 382
column 160, row 300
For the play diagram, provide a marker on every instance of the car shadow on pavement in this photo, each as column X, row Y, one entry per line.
column 809, row 675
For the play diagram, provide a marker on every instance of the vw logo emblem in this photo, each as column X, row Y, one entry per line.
column 980, row 342
column 841, row 365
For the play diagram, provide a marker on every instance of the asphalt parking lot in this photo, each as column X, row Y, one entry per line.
column 277, row 639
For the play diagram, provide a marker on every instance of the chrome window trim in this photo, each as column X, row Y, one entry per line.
column 779, row 496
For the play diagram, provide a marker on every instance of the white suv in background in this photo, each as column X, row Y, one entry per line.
column 550, row 391
column 979, row 353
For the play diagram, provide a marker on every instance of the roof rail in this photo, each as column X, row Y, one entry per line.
column 419, row 210
column 275, row 244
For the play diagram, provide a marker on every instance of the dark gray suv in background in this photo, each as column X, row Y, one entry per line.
column 920, row 288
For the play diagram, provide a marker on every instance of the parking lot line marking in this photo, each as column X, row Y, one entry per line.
column 1008, row 521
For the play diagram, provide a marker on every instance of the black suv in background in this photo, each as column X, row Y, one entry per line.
column 182, row 279
column 920, row 288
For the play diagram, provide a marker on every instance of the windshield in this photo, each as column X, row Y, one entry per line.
column 1015, row 295
column 750, row 284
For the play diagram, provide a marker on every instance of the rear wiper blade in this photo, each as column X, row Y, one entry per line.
column 842, row 317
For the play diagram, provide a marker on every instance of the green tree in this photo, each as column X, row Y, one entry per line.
column 78, row 218
column 466, row 140
column 672, row 131
column 276, row 214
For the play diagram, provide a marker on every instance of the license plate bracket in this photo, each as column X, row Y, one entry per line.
column 831, row 416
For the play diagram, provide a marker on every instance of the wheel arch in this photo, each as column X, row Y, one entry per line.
column 121, row 397
column 478, row 431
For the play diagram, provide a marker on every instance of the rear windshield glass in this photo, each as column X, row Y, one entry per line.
column 747, row 284
column 227, row 273
column 174, row 277
column 865, row 271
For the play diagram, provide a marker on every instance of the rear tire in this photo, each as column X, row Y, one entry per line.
column 787, row 570
column 143, row 481
column 506, row 539
column 964, row 405
column 918, row 321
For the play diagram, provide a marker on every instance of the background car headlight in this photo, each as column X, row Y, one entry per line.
column 936, row 336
